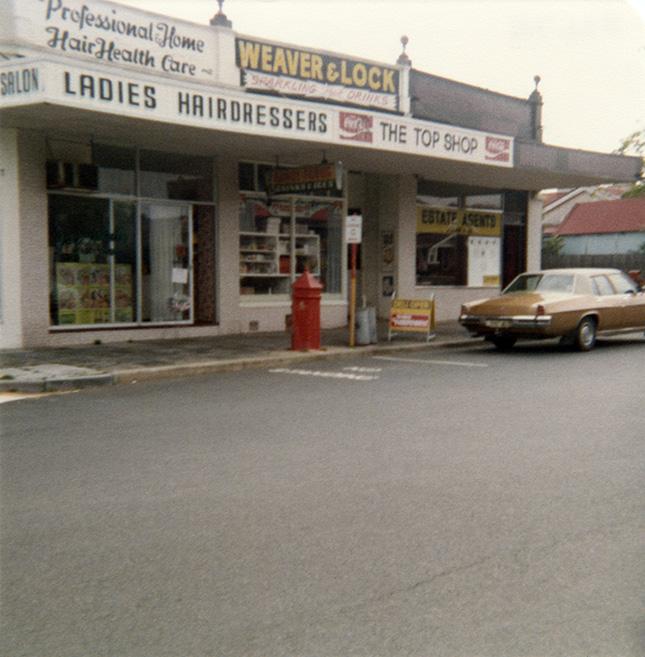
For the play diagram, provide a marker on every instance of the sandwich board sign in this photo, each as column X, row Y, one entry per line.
column 412, row 316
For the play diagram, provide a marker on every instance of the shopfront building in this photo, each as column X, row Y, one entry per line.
column 162, row 179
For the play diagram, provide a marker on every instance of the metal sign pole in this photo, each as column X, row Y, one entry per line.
column 352, row 299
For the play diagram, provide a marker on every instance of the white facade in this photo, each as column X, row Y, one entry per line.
column 82, row 77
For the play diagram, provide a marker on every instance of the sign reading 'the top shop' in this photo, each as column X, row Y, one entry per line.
column 298, row 72
column 114, row 34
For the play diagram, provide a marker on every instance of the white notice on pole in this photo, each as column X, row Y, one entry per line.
column 354, row 228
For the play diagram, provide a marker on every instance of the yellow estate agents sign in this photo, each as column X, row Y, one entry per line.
column 412, row 316
column 463, row 222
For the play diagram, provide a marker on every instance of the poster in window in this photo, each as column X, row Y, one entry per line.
column 387, row 251
column 387, row 286
column 484, row 261
column 83, row 293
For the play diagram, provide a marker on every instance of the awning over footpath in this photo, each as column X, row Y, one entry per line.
column 51, row 94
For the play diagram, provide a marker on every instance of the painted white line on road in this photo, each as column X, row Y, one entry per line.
column 457, row 363
column 6, row 397
column 324, row 375
column 363, row 370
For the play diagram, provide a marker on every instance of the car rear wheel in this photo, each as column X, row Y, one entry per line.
column 585, row 337
column 503, row 342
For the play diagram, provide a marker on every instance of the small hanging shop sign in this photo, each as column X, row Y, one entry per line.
column 305, row 180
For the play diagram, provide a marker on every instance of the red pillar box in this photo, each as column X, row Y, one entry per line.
column 305, row 312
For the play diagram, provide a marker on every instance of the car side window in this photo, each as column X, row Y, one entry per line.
column 601, row 286
column 622, row 283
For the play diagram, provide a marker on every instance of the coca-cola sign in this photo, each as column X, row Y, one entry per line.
column 498, row 149
column 356, row 127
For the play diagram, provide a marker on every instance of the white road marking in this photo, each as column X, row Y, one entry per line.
column 16, row 396
column 364, row 370
column 457, row 363
column 324, row 375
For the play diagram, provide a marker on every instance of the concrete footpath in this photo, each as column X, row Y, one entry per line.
column 70, row 368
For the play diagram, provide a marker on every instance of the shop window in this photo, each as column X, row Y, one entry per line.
column 281, row 237
column 264, row 171
column 439, row 201
column 174, row 176
column 440, row 259
column 102, row 273
column 515, row 202
column 252, row 177
column 92, row 261
column 246, row 177
column 166, row 277
column 127, row 261
column 484, row 201
column 116, row 169
column 458, row 246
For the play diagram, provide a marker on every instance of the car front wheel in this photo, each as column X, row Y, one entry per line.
column 585, row 337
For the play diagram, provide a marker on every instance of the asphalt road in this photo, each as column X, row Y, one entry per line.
column 442, row 503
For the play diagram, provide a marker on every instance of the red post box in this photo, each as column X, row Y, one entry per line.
column 305, row 313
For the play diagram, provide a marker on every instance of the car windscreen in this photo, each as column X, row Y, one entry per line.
column 541, row 283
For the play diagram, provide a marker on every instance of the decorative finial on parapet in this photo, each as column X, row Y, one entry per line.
column 536, row 111
column 220, row 19
column 536, row 96
column 403, row 59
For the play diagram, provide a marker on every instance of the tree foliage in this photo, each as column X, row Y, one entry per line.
column 634, row 144
column 552, row 246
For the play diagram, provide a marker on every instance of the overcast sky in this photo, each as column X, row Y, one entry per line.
column 590, row 54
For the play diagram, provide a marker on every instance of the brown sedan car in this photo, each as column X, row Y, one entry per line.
column 573, row 304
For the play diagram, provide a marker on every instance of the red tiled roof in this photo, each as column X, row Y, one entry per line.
column 552, row 197
column 623, row 216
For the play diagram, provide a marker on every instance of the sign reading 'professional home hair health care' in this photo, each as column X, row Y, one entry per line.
column 296, row 72
column 115, row 35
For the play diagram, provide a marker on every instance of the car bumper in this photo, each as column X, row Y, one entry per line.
column 529, row 324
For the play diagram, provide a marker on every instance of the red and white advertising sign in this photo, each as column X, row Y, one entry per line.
column 498, row 149
column 356, row 127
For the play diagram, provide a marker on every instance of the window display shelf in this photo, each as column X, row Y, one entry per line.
column 265, row 256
